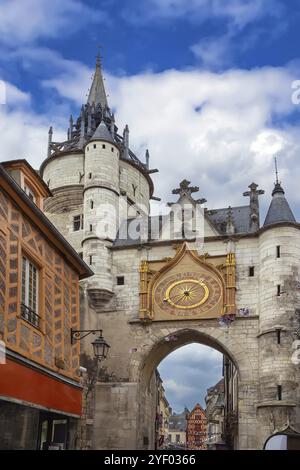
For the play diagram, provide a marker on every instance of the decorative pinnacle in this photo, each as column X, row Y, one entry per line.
column 185, row 188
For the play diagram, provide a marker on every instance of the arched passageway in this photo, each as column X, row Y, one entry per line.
column 163, row 341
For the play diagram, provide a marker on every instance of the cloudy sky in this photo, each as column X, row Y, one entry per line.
column 206, row 85
column 188, row 372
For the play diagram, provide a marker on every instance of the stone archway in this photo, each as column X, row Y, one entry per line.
column 229, row 341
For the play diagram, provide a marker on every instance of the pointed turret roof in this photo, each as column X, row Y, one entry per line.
column 279, row 210
column 102, row 133
column 97, row 93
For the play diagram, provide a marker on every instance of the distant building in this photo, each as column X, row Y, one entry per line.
column 40, row 390
column 196, row 429
column 162, row 415
column 231, row 403
column 215, row 416
column 177, row 429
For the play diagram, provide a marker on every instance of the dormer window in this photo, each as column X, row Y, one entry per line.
column 30, row 193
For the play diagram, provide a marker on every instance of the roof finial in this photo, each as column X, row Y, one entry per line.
column 277, row 187
column 276, row 170
column 98, row 56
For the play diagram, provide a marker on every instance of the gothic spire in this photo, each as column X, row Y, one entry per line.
column 97, row 93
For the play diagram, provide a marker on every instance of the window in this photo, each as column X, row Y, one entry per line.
column 29, row 193
column 95, row 146
column 278, row 332
column 120, row 280
column 92, row 204
column 279, row 392
column 90, row 176
column 103, row 146
column 112, row 149
column 91, row 228
column 91, row 260
column 251, row 271
column 87, row 149
column 77, row 223
column 278, row 290
column 80, row 255
column 30, row 292
column 278, row 254
column 177, row 438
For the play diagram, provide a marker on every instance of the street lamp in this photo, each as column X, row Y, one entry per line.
column 100, row 347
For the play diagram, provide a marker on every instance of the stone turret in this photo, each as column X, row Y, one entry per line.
column 279, row 248
column 101, row 200
column 87, row 174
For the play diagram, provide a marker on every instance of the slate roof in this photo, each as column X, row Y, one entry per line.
column 102, row 133
column 177, row 421
column 241, row 219
column 279, row 210
column 218, row 218
column 97, row 93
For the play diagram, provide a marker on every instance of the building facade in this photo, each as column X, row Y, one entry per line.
column 236, row 291
column 162, row 415
column 215, row 413
column 40, row 391
column 177, row 430
column 196, row 430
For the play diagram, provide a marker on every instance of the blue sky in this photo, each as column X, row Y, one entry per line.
column 206, row 85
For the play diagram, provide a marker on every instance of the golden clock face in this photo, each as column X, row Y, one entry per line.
column 187, row 293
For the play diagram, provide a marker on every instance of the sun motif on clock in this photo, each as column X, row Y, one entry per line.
column 187, row 294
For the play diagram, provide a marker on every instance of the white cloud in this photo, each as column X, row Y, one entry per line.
column 238, row 12
column 221, row 131
column 213, row 53
column 25, row 21
column 24, row 133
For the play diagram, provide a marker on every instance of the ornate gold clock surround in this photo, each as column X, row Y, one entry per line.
column 187, row 286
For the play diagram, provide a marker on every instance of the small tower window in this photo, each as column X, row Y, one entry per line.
column 91, row 228
column 95, row 146
column 120, row 280
column 279, row 392
column 278, row 333
column 112, row 149
column 90, row 176
column 87, row 149
column 103, row 146
column 91, row 260
column 92, row 204
column 278, row 253
column 251, row 271
column 77, row 223
column 278, row 290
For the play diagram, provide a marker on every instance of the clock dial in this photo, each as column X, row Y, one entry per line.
column 187, row 294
